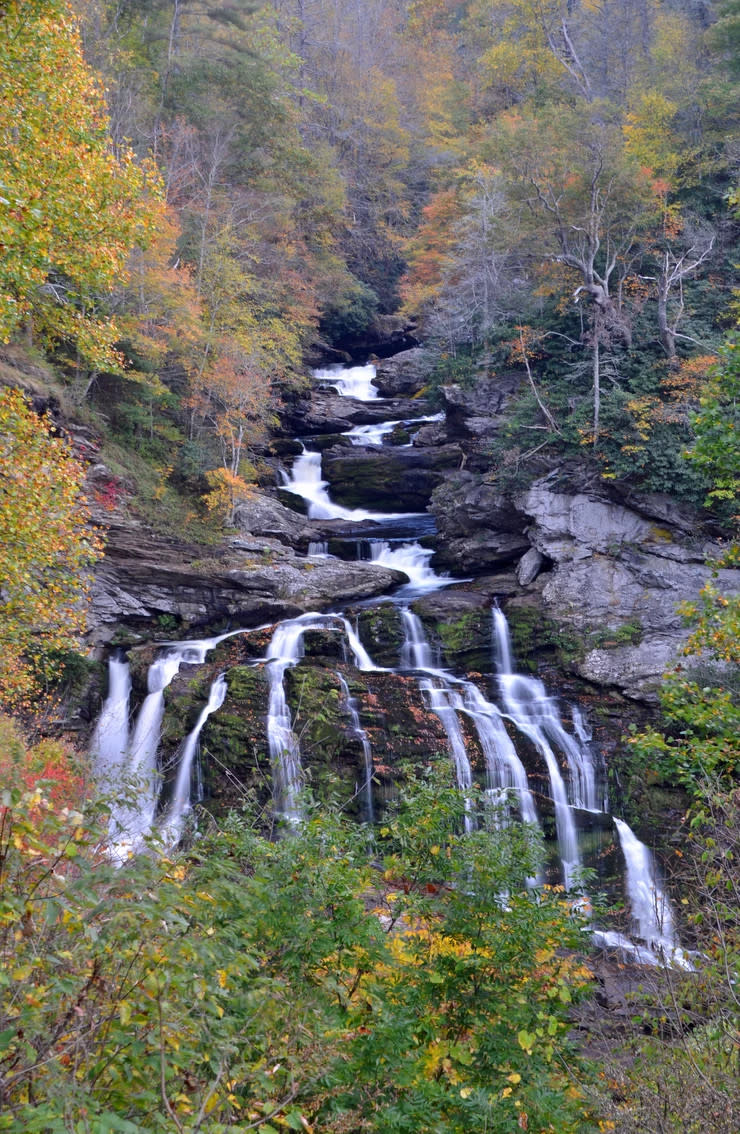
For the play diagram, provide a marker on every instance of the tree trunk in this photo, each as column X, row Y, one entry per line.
column 597, row 379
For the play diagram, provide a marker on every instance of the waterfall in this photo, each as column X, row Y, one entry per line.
column 413, row 560
column 651, row 910
column 285, row 649
column 533, row 712
column 362, row 658
column 128, row 772
column 171, row 827
column 305, row 481
column 376, row 434
column 501, row 642
column 442, row 699
column 350, row 381
column 119, row 758
column 370, row 434
column 504, row 769
column 350, row 704
column 416, row 653
column 318, row 549
column 109, row 743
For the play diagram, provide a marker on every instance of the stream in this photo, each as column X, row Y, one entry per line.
column 512, row 720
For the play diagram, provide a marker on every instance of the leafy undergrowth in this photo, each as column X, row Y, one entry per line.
column 290, row 985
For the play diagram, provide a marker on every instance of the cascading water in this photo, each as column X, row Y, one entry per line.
column 375, row 434
column 413, row 560
column 524, row 701
column 504, row 769
column 171, row 828
column 370, row 434
column 533, row 713
column 441, row 698
column 305, row 481
column 127, row 772
column 284, row 651
column 109, row 744
column 350, row 381
column 350, row 704
column 651, row 910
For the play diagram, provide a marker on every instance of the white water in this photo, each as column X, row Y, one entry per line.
column 416, row 653
column 533, row 713
column 413, row 560
column 305, row 481
column 370, row 434
column 128, row 773
column 350, row 703
column 318, row 549
column 109, row 743
column 504, row 769
column 442, row 699
column 284, row 651
column 651, row 910
column 376, row 434
column 350, row 381
column 171, row 828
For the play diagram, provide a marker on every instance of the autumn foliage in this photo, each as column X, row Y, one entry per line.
column 45, row 544
column 70, row 207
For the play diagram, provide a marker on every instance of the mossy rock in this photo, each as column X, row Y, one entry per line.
column 535, row 639
column 381, row 632
column 466, row 640
column 236, row 761
column 331, row 751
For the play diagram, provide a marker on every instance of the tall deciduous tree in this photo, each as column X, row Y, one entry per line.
column 70, row 207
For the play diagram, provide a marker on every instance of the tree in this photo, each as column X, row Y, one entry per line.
column 46, row 543
column 70, row 207
column 587, row 205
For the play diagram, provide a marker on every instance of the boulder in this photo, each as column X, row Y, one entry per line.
column 262, row 515
column 481, row 404
column 404, row 374
column 326, row 412
column 529, row 566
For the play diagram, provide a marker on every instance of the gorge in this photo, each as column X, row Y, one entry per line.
column 304, row 703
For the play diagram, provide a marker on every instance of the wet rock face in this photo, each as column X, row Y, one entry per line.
column 394, row 479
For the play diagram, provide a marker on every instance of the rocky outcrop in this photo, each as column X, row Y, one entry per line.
column 327, row 412
column 610, row 571
column 474, row 412
column 479, row 527
column 262, row 515
column 145, row 580
column 387, row 334
column 618, row 577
